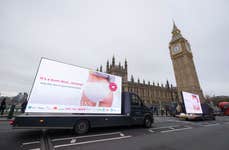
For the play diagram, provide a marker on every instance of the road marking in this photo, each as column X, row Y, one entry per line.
column 176, row 130
column 93, row 141
column 28, row 143
column 184, row 121
column 73, row 141
column 78, row 137
column 209, row 125
column 151, row 131
column 164, row 127
column 35, row 149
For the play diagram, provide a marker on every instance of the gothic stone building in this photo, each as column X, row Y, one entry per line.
column 184, row 70
column 149, row 93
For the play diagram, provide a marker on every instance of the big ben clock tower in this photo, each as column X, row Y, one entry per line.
column 183, row 64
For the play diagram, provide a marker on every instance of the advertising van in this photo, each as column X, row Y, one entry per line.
column 195, row 110
column 66, row 96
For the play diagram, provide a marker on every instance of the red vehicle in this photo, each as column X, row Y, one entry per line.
column 225, row 107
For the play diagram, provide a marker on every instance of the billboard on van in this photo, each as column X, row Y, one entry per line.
column 64, row 88
column 192, row 103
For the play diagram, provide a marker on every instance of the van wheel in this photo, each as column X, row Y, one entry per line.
column 81, row 127
column 147, row 122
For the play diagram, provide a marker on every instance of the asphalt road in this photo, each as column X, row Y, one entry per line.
column 165, row 134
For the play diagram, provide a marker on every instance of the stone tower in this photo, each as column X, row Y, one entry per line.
column 183, row 64
column 118, row 70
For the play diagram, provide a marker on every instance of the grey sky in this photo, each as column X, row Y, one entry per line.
column 88, row 32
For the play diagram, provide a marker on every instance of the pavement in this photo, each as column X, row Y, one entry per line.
column 167, row 133
column 4, row 119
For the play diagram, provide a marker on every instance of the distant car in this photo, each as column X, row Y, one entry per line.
column 217, row 112
column 225, row 107
column 197, row 117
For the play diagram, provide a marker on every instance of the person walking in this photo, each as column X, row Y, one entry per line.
column 12, row 107
column 166, row 110
column 23, row 105
column 162, row 111
column 3, row 106
column 157, row 110
column 178, row 109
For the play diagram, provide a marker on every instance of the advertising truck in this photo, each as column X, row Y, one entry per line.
column 195, row 110
column 67, row 96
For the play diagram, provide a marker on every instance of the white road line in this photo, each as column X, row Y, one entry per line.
column 209, row 125
column 28, row 143
column 94, row 141
column 78, row 137
column 169, row 127
column 35, row 149
column 151, row 131
column 164, row 127
column 73, row 141
column 184, row 121
column 176, row 130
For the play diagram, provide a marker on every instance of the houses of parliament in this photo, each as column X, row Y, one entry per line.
column 155, row 93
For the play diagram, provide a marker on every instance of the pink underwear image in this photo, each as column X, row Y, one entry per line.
column 98, row 91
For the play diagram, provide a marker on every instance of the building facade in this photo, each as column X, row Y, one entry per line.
column 183, row 65
column 150, row 93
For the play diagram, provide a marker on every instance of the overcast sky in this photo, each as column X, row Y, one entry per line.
column 88, row 32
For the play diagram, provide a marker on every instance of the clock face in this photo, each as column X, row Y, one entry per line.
column 176, row 48
column 187, row 47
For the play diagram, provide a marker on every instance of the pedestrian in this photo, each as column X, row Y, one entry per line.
column 12, row 107
column 154, row 110
column 162, row 111
column 166, row 110
column 157, row 110
column 178, row 109
column 3, row 106
column 23, row 105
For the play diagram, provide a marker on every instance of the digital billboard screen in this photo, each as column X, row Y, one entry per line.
column 64, row 88
column 192, row 103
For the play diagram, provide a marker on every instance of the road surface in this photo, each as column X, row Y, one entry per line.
column 167, row 133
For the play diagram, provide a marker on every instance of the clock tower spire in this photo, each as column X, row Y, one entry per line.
column 183, row 64
column 176, row 33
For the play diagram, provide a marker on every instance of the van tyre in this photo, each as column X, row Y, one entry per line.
column 148, row 122
column 81, row 127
